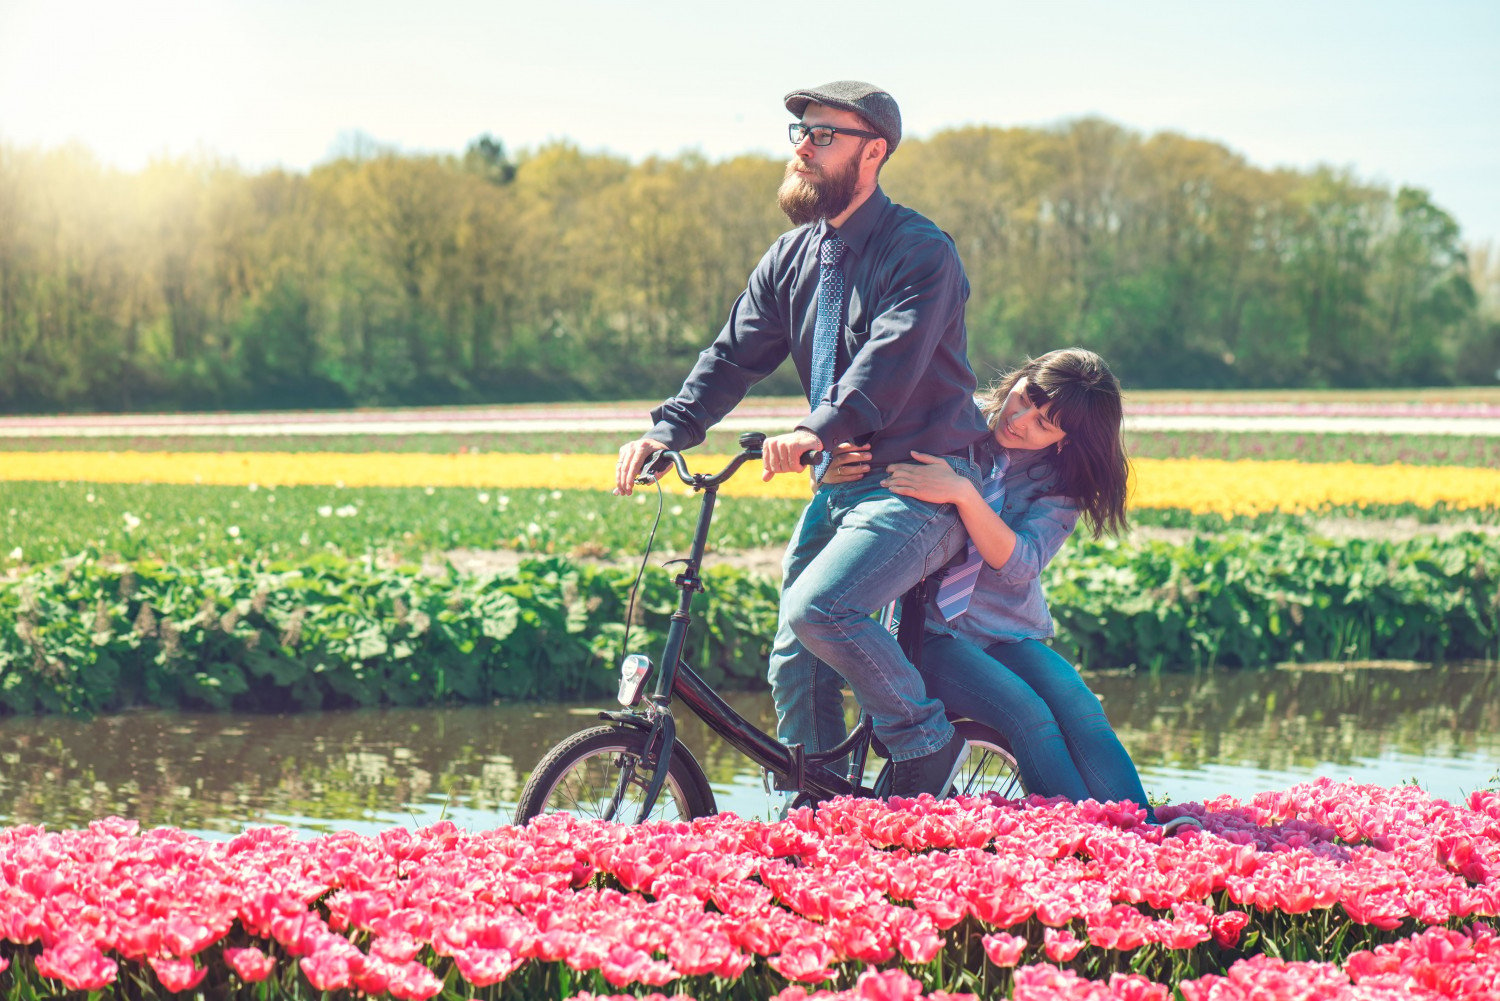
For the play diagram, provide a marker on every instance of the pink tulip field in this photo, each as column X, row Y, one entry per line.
column 1324, row 890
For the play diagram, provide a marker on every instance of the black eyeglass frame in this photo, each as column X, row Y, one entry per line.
column 798, row 131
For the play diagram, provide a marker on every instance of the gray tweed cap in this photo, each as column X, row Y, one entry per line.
column 864, row 99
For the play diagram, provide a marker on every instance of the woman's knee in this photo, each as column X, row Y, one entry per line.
column 1007, row 708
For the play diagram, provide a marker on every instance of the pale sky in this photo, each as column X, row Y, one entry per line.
column 1398, row 92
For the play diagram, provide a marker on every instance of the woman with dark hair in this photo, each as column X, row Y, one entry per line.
column 1058, row 457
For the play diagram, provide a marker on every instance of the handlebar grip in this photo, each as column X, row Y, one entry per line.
column 655, row 466
column 753, row 440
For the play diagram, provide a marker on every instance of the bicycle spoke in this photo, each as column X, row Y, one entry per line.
column 627, row 779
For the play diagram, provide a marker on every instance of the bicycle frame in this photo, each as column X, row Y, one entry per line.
column 676, row 679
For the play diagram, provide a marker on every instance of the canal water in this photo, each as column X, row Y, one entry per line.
column 1194, row 736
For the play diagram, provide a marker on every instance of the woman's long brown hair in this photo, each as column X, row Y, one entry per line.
column 1085, row 400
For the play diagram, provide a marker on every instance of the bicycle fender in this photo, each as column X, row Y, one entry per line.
column 632, row 720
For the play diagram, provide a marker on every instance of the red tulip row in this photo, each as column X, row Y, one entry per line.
column 1048, row 898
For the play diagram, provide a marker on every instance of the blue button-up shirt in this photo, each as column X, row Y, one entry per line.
column 1009, row 602
column 904, row 380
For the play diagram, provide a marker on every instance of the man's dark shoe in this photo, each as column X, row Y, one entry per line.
column 932, row 773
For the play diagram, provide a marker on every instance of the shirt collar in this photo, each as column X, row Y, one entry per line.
column 857, row 229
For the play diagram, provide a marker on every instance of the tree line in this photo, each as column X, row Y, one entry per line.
column 388, row 278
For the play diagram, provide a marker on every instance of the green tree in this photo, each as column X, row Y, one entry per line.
column 1420, row 291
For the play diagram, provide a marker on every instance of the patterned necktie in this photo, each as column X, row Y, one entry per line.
column 828, row 329
column 958, row 585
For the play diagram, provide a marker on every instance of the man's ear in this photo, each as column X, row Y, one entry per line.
column 874, row 152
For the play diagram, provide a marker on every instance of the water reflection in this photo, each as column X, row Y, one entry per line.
column 1194, row 736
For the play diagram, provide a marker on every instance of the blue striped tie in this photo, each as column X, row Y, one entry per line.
column 958, row 585
column 827, row 330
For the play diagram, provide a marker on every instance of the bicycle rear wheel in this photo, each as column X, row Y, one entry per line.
column 990, row 766
column 598, row 774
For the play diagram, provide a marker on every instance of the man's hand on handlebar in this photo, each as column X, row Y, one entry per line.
column 634, row 457
column 785, row 453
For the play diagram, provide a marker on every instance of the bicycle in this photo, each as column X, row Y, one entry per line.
column 635, row 756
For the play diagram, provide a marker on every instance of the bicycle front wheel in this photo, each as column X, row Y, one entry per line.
column 600, row 774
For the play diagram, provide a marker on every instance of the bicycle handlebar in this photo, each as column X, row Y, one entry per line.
column 750, row 443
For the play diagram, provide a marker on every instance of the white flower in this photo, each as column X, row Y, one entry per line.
column 347, row 511
column 533, row 529
column 89, row 498
column 15, row 553
column 234, row 531
column 253, row 487
column 675, row 509
column 325, row 511
column 504, row 500
column 484, row 498
column 429, row 491
column 557, row 495
column 131, row 521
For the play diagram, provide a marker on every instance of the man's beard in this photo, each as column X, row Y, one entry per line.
column 822, row 195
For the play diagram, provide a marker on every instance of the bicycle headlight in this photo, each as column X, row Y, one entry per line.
column 634, row 670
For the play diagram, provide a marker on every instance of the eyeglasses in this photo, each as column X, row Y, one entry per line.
column 822, row 135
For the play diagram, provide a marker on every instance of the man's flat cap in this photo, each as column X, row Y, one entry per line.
column 864, row 99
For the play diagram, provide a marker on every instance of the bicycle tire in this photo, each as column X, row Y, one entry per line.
column 581, row 774
column 990, row 767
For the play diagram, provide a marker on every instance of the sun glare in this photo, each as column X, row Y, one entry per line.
column 128, row 81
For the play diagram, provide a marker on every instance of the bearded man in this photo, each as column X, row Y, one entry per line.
column 878, row 291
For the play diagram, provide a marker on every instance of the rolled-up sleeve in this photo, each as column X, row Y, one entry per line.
column 1048, row 523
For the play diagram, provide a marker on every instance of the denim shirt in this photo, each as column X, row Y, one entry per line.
column 1009, row 603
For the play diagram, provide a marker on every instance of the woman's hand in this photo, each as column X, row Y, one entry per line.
column 849, row 463
column 928, row 479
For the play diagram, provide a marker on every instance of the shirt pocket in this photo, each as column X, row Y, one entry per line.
column 851, row 341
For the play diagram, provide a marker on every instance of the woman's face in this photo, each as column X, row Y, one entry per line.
column 1024, row 425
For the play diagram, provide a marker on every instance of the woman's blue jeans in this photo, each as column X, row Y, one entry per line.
column 857, row 547
column 1057, row 729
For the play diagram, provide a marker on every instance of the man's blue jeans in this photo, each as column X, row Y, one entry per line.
column 857, row 547
column 1057, row 729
